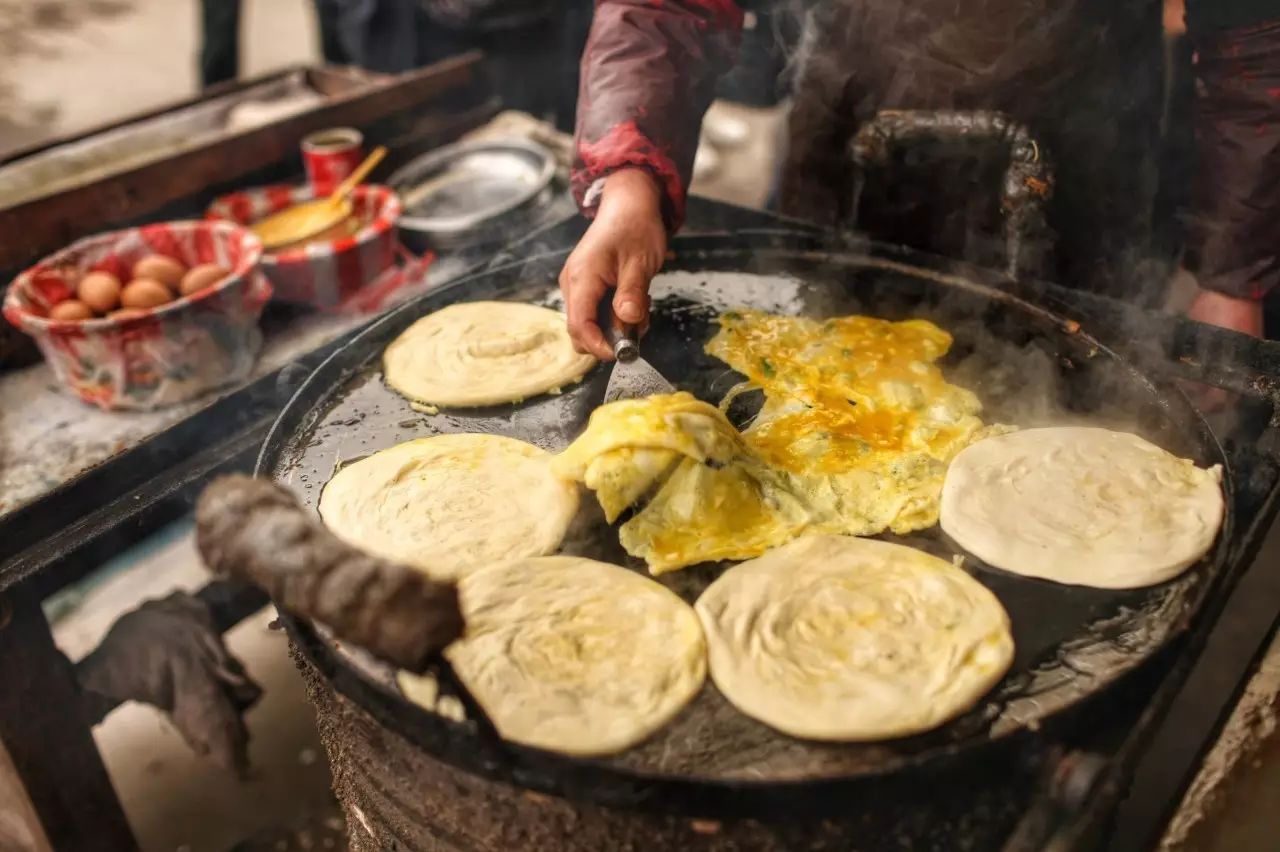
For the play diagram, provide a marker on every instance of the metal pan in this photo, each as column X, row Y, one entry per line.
column 1029, row 367
column 470, row 192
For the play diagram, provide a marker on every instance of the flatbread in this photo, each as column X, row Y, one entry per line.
column 483, row 353
column 1081, row 505
column 850, row 639
column 576, row 656
column 450, row 502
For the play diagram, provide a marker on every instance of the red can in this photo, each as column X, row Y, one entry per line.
column 331, row 155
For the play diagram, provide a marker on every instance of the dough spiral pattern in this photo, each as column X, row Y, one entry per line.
column 576, row 656
column 1081, row 505
column 449, row 502
column 483, row 353
column 838, row 638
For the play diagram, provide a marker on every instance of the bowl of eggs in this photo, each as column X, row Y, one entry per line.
column 149, row 316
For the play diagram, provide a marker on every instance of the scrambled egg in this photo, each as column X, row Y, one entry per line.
column 853, row 437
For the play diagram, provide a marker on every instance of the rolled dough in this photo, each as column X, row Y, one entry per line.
column 841, row 638
column 450, row 502
column 1081, row 505
column 483, row 353
column 576, row 656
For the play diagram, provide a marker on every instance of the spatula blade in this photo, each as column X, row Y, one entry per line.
column 635, row 379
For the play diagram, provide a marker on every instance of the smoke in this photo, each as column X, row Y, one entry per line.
column 1088, row 80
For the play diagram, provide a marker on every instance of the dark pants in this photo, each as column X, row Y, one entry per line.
column 219, row 41
column 532, row 68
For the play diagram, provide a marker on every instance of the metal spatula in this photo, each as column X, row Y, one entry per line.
column 632, row 377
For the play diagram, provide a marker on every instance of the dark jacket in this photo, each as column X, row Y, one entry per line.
column 1084, row 75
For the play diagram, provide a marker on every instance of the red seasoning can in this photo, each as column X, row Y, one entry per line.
column 331, row 155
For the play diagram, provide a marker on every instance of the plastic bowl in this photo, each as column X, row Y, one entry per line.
column 160, row 356
column 327, row 273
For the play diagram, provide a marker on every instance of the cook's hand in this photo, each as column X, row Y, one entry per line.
column 1214, row 308
column 623, row 248
column 1218, row 309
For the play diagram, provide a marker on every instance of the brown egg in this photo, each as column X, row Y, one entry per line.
column 199, row 277
column 100, row 291
column 125, row 313
column 145, row 293
column 71, row 309
column 157, row 267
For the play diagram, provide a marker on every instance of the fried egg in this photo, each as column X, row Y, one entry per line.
column 853, row 437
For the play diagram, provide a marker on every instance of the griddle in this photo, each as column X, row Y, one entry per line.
column 1029, row 366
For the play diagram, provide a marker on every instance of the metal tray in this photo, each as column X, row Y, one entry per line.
column 73, row 164
column 464, row 193
column 1029, row 366
column 133, row 169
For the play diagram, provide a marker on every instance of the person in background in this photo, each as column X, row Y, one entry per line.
column 219, row 41
column 1232, row 239
column 377, row 35
column 527, row 43
column 1085, row 76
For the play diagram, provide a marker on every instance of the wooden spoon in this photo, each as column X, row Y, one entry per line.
column 303, row 222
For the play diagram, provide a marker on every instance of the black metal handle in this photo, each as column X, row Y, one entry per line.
column 255, row 532
column 1027, row 181
column 623, row 337
column 624, row 340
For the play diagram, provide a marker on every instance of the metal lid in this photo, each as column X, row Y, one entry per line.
column 461, row 187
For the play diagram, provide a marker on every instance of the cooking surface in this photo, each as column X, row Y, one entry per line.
column 1070, row 641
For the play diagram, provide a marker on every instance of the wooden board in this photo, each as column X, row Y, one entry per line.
column 40, row 226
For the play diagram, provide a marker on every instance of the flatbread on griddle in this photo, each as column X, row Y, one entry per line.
column 1082, row 505
column 850, row 639
column 483, row 353
column 449, row 502
column 576, row 656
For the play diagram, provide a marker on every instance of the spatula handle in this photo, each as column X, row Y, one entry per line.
column 623, row 337
column 625, row 342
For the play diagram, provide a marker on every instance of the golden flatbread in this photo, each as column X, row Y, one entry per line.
column 839, row 638
column 450, row 502
column 483, row 353
column 576, row 656
column 1082, row 505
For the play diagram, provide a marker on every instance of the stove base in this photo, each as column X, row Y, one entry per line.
column 397, row 796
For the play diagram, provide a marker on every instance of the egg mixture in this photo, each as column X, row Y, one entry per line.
column 853, row 437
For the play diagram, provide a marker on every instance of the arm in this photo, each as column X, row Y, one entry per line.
column 1232, row 244
column 648, row 75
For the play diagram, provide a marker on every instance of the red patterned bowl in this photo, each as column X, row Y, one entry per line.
column 326, row 274
column 160, row 356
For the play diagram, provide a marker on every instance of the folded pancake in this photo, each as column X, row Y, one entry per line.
column 1080, row 505
column 447, row 503
column 576, row 656
column 853, row 437
column 849, row 639
column 483, row 353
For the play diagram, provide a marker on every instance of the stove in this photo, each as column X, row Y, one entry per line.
column 1058, row 782
column 1068, row 786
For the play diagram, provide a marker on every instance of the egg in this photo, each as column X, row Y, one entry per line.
column 145, row 293
column 853, row 438
column 200, row 277
column 100, row 291
column 70, row 309
column 126, row 313
column 157, row 267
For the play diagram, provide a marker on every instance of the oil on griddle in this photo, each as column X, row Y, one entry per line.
column 1028, row 370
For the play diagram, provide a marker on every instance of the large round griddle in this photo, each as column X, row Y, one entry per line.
column 1028, row 366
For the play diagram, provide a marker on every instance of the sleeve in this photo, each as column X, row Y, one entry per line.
column 648, row 75
column 1231, row 242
